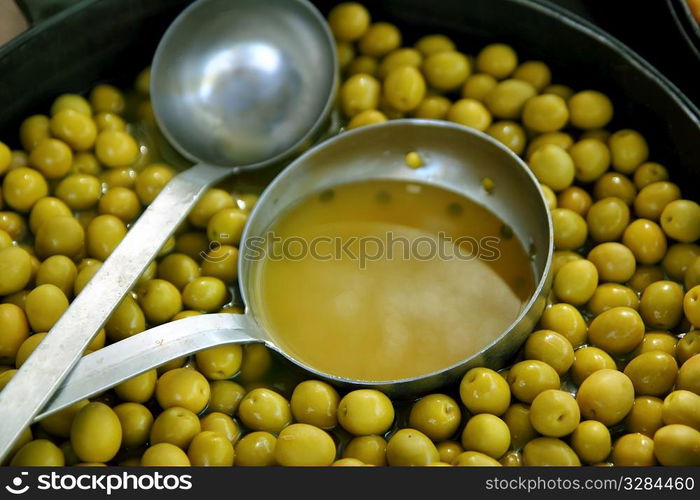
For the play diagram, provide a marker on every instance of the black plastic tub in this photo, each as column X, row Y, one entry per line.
column 96, row 40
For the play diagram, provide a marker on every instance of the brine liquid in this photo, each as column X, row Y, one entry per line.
column 370, row 280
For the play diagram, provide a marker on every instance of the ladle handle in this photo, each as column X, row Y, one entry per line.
column 127, row 358
column 39, row 377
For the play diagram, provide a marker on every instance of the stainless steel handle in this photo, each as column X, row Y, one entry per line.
column 39, row 377
column 123, row 360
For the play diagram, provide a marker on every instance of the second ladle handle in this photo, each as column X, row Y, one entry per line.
column 42, row 373
column 130, row 357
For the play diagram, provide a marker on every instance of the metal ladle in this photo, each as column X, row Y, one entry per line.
column 236, row 85
column 455, row 158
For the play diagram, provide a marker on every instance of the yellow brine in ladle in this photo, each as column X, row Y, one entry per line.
column 385, row 280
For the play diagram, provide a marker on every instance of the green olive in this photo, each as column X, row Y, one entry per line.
column 529, row 378
column 304, row 445
column 45, row 209
column 566, row 320
column 365, row 411
column 689, row 375
column 103, row 235
column 256, row 449
column 446, row 70
column 177, row 426
column 617, row 331
column 652, row 373
column 430, row 44
column 628, row 149
column 369, row 449
column 517, row 417
column 379, row 39
column 449, row 450
column 136, row 422
column 554, row 413
column 576, row 199
column 553, row 166
column 677, row 445
column 14, row 330
column 653, row 198
column 645, row 416
column 470, row 113
column 576, row 282
column 510, row 134
column 682, row 407
column 483, row 390
column 498, row 60
column 151, row 180
column 79, row 191
column 614, row 262
column 478, row 85
column 120, row 202
column 646, row 240
column 126, row 320
column 608, row 220
column 404, row 88
column 661, row 305
column 634, row 450
column 359, row 93
column 15, row 270
column 606, row 396
column 315, row 403
column 435, row 415
column 160, row 300
column 546, row 113
column 138, row 389
column 22, row 188
column 535, row 72
column 410, row 447
column 645, row 276
column 222, row 424
column 44, row 305
column 610, row 295
column 60, row 235
column 33, row 130
column 96, row 433
column 688, row 346
column 680, row 220
column 210, row 449
column 591, row 159
column 348, row 21
column 474, row 459
column 649, row 172
column 590, row 109
column 60, row 271
column 678, row 259
column 183, row 387
column 265, row 410
column 206, row 294
column 588, row 360
column 657, row 341
column 615, row 185
column 226, row 226
column 508, row 98
column 548, row 451
column 221, row 262
column 221, row 362
column 552, row 348
column 164, row 455
column 38, row 453
column 591, row 441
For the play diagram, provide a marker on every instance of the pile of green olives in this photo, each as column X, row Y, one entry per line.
column 610, row 376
